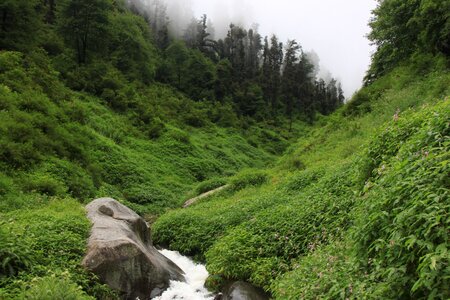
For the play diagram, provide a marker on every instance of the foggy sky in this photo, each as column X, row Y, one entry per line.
column 334, row 29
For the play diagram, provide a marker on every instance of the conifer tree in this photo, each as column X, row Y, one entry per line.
column 84, row 24
column 272, row 61
column 20, row 23
column 290, row 78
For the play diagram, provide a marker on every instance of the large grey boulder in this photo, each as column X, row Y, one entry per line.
column 240, row 290
column 121, row 254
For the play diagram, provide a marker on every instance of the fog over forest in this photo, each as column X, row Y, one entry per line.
column 334, row 29
column 224, row 149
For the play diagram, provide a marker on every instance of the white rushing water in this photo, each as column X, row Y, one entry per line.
column 193, row 288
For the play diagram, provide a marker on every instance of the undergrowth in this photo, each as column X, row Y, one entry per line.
column 60, row 149
column 356, row 209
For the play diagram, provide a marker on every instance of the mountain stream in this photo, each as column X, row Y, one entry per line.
column 193, row 288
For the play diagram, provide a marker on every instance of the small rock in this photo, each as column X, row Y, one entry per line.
column 244, row 291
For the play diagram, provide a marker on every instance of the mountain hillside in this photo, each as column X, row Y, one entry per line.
column 322, row 199
column 357, row 209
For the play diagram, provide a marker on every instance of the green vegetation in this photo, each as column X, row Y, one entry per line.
column 58, row 144
column 76, row 146
column 98, row 100
column 74, row 127
column 41, row 250
column 405, row 29
column 358, row 209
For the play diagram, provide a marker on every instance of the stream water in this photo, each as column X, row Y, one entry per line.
column 193, row 288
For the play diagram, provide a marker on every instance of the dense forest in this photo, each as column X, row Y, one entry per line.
column 323, row 200
column 260, row 78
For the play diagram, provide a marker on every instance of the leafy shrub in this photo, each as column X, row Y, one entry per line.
column 215, row 283
column 15, row 255
column 178, row 135
column 60, row 231
column 210, row 185
column 195, row 119
column 403, row 237
column 44, row 184
column 12, row 74
column 6, row 184
column 293, row 164
column 156, row 128
column 248, row 178
column 200, row 169
column 53, row 287
column 148, row 194
column 387, row 144
column 328, row 272
column 301, row 180
column 223, row 115
column 359, row 105
column 78, row 182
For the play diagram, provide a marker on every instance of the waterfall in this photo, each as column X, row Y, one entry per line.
column 193, row 288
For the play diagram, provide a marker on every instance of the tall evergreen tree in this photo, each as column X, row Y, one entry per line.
column 50, row 11
column 20, row 24
column 205, row 44
column 84, row 24
column 272, row 62
column 190, row 34
column 253, row 52
column 234, row 50
column 224, row 82
column 178, row 57
column 306, row 76
column 290, row 78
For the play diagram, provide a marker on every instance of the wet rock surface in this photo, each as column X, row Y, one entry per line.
column 243, row 291
column 121, row 254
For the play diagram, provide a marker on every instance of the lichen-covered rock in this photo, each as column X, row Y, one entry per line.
column 240, row 290
column 121, row 254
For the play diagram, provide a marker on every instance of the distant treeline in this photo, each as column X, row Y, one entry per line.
column 111, row 47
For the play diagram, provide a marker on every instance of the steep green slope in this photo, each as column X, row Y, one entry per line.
column 358, row 209
column 56, row 142
column 94, row 101
column 58, row 146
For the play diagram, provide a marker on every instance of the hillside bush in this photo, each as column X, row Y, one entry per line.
column 209, row 185
column 289, row 229
column 49, row 239
column 53, row 287
column 6, row 184
column 403, row 237
column 14, row 256
column 248, row 178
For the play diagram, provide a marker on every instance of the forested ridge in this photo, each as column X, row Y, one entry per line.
column 102, row 47
column 323, row 199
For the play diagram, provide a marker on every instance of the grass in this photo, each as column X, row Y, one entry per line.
column 356, row 208
column 334, row 217
column 79, row 147
column 60, row 149
column 41, row 248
